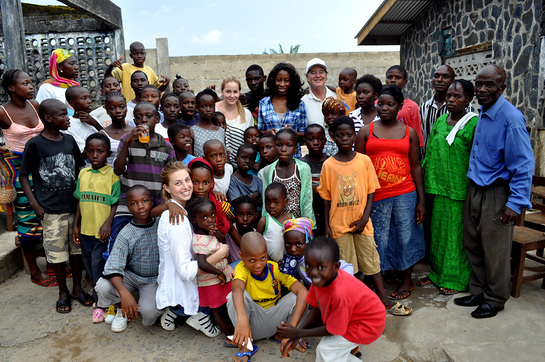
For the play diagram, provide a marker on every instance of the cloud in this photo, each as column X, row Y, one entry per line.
column 212, row 37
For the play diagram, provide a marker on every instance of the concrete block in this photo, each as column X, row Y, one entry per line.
column 11, row 259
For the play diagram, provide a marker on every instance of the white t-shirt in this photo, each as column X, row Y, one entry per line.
column 49, row 91
column 314, row 106
column 222, row 184
column 80, row 131
column 103, row 118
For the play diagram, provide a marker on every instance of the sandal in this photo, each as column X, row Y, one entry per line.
column 302, row 348
column 51, row 282
column 445, row 291
column 63, row 306
column 424, row 282
column 52, row 273
column 248, row 354
column 84, row 299
column 401, row 294
column 399, row 310
column 226, row 344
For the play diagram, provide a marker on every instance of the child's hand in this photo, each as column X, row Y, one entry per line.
column 221, row 197
column 359, row 225
column 175, row 213
column 38, row 210
column 75, row 233
column 242, row 333
column 420, row 212
column 105, row 231
column 85, row 118
column 117, row 63
column 230, row 271
column 223, row 279
column 223, row 250
column 287, row 331
column 129, row 306
column 135, row 133
column 287, row 346
column 328, row 233
column 165, row 80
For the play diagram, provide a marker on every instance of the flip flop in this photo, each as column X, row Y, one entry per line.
column 84, row 299
column 396, row 295
column 424, row 282
column 62, row 304
column 445, row 291
column 248, row 354
column 51, row 282
column 399, row 310
column 68, row 273
column 229, row 345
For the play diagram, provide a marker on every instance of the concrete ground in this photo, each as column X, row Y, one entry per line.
column 438, row 330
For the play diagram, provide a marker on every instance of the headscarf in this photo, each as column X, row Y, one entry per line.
column 57, row 57
column 331, row 104
column 301, row 224
column 221, row 221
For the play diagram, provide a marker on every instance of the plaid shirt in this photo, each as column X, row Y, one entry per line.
column 268, row 119
column 135, row 253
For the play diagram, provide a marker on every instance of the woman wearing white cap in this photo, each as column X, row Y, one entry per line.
column 316, row 77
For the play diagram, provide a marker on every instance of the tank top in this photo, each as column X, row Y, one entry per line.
column 293, row 187
column 17, row 135
column 391, row 161
column 274, row 238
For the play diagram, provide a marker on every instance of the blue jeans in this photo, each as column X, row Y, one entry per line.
column 91, row 251
column 179, row 310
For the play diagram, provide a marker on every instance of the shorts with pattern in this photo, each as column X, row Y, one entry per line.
column 58, row 241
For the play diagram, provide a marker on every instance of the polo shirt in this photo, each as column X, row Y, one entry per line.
column 314, row 106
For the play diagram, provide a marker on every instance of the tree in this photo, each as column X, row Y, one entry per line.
column 293, row 50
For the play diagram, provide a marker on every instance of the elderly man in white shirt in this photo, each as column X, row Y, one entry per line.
column 316, row 77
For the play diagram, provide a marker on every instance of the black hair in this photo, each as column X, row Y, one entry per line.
column 324, row 243
column 277, row 186
column 151, row 86
column 295, row 91
column 314, row 125
column 73, row 92
column 195, row 203
column 216, row 115
column 372, row 80
column 267, row 135
column 179, row 78
column 246, row 146
column 351, row 70
column 255, row 67
column 252, row 127
column 139, row 71
column 206, row 91
column 107, row 77
column 101, row 137
column 288, row 131
column 144, row 103
column 111, row 95
column 186, row 93
column 9, row 78
column 399, row 68
column 136, row 44
column 167, row 95
column 176, row 128
column 244, row 200
column 138, row 187
column 342, row 120
column 199, row 164
column 47, row 105
column 467, row 86
column 212, row 142
column 394, row 91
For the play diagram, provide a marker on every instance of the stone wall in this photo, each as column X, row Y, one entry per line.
column 206, row 70
column 512, row 30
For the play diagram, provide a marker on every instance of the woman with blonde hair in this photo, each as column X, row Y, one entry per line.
column 237, row 117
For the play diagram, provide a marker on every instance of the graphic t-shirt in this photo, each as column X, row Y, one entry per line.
column 54, row 166
column 346, row 185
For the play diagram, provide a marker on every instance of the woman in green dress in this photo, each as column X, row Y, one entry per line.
column 445, row 167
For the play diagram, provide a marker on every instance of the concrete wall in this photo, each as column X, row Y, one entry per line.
column 205, row 70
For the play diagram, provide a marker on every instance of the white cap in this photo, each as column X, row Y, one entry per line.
column 316, row 61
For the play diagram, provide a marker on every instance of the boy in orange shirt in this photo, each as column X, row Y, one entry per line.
column 347, row 184
column 345, row 90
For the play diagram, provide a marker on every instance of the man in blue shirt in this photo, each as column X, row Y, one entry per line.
column 501, row 166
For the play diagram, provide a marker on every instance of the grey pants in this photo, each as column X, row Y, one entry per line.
column 108, row 295
column 487, row 242
column 263, row 321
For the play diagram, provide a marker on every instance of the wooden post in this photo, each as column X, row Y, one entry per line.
column 14, row 34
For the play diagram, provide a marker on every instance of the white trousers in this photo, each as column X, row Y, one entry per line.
column 335, row 348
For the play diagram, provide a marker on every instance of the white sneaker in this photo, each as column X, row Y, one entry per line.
column 110, row 314
column 203, row 323
column 119, row 323
column 167, row 320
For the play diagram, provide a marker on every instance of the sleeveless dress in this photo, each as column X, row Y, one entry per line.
column 29, row 226
column 293, row 186
column 399, row 239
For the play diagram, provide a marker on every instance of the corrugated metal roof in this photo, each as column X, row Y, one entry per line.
column 391, row 21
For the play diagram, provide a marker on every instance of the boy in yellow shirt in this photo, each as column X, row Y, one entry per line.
column 123, row 72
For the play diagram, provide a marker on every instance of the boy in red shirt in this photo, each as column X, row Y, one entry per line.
column 344, row 310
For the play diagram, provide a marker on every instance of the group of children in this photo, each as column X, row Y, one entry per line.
column 160, row 209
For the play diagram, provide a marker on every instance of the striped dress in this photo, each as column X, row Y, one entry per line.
column 234, row 135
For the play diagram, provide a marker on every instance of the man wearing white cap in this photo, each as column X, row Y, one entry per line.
column 316, row 77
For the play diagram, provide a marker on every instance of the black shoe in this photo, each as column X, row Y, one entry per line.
column 469, row 301
column 486, row 311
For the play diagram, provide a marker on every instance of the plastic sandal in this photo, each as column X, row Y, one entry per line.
column 248, row 354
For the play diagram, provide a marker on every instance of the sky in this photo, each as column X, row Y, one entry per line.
column 214, row 27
